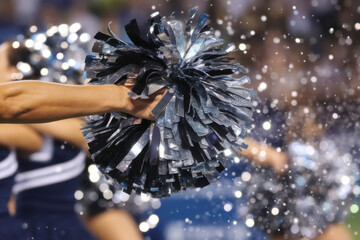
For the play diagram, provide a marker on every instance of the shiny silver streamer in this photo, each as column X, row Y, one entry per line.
column 96, row 195
column 317, row 191
column 204, row 114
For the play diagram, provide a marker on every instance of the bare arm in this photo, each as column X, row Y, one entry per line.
column 34, row 101
column 66, row 130
column 114, row 225
column 264, row 155
column 20, row 137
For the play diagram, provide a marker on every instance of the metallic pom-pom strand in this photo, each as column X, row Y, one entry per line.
column 204, row 114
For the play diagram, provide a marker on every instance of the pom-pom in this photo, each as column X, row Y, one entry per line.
column 54, row 55
column 315, row 192
column 204, row 114
column 96, row 195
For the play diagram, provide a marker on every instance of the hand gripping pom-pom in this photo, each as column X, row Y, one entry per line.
column 204, row 114
column 315, row 192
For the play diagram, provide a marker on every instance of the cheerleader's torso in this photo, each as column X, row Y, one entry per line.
column 10, row 228
column 45, row 186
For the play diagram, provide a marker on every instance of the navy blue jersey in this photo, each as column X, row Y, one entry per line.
column 45, row 187
column 10, row 228
column 8, row 167
column 47, row 180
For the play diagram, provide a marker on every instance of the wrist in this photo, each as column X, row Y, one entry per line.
column 120, row 100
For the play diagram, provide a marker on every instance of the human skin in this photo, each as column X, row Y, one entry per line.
column 264, row 155
column 103, row 226
column 34, row 101
column 333, row 232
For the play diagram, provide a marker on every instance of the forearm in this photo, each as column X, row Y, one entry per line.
column 264, row 155
column 34, row 101
column 104, row 228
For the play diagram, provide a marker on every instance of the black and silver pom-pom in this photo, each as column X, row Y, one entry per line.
column 316, row 192
column 204, row 114
column 96, row 195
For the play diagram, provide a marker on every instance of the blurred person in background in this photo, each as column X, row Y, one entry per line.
column 14, row 140
column 47, row 180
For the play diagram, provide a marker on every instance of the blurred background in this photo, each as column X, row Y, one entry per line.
column 299, row 53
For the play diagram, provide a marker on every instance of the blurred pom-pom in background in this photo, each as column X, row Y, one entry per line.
column 54, row 55
column 204, row 114
column 316, row 191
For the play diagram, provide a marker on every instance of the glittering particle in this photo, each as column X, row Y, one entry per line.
column 59, row 56
column 153, row 219
column 51, row 31
column 144, row 227
column 79, row 195
column 266, row 125
column 33, row 29
column 108, row 194
column 85, row 37
column 15, row 44
column 29, row 43
column 75, row 27
column 228, row 207
column 263, row 18
column 227, row 152
column 331, row 57
column 238, row 194
column 354, row 208
column 63, row 30
column 246, row 176
column 44, row 71
column 64, row 45
column 274, row 211
column 250, row 222
column 242, row 46
column 65, row 66
column 236, row 160
column 276, row 40
column 262, row 86
column 345, row 180
column 41, row 38
column 63, row 79
column 71, row 62
column 23, row 67
column 357, row 26
column 46, row 53
column 156, row 204
column 72, row 38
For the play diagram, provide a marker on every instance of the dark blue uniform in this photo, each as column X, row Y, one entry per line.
column 10, row 228
column 45, row 187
